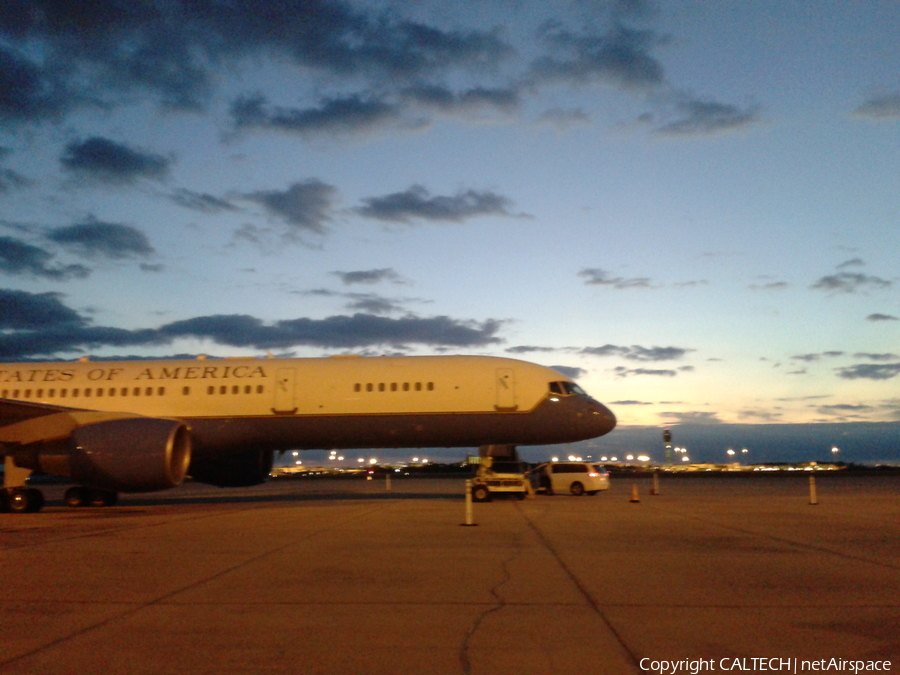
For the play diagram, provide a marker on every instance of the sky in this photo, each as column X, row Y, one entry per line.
column 692, row 208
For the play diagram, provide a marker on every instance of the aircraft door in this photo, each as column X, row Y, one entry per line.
column 505, row 381
column 284, row 392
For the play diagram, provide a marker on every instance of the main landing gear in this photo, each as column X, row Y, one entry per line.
column 21, row 500
column 82, row 496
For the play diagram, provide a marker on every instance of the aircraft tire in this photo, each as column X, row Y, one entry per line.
column 76, row 497
column 24, row 500
column 102, row 497
column 576, row 489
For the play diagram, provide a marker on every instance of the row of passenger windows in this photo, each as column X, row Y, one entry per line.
column 98, row 392
column 235, row 389
column 394, row 386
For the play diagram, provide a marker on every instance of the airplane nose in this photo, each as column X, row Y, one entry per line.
column 603, row 419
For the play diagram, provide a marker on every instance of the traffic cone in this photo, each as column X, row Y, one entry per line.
column 635, row 498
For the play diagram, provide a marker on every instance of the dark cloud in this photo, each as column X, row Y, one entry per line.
column 417, row 204
column 876, row 357
column 853, row 262
column 869, row 371
column 693, row 417
column 638, row 353
column 570, row 371
column 882, row 317
column 764, row 416
column 20, row 310
column 621, row 371
column 771, row 286
column 621, row 57
column 445, row 100
column 368, row 276
column 707, row 117
column 40, row 325
column 849, row 282
column 94, row 238
column 305, row 206
column 370, row 303
column 11, row 180
column 20, row 258
column 200, row 201
column 883, row 106
column 564, row 119
column 111, row 162
column 347, row 114
column 597, row 277
column 28, row 92
column 173, row 50
column 527, row 349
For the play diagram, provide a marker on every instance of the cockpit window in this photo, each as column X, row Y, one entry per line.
column 566, row 388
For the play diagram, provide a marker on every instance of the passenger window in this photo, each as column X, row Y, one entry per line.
column 210, row 390
column 431, row 386
column 406, row 386
column 185, row 391
column 39, row 393
column 223, row 389
column 418, row 386
column 161, row 391
column 357, row 387
column 393, row 386
column 247, row 389
column 369, row 386
column 259, row 389
column 381, row 386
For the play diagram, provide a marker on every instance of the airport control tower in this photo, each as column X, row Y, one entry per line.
column 667, row 441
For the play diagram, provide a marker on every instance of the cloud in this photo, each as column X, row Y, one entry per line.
column 882, row 106
column 771, row 286
column 368, row 276
column 94, row 238
column 305, row 206
column 876, row 357
column 564, row 119
column 370, row 303
column 849, row 282
column 203, row 202
column 809, row 358
column 630, row 402
column 760, row 415
column 621, row 57
column 111, row 162
column 638, row 353
column 97, row 53
column 11, row 180
column 417, row 204
column 621, row 371
column 443, row 99
column 598, row 277
column 29, row 92
column 869, row 371
column 693, row 417
column 40, row 325
column 347, row 114
column 708, row 117
column 882, row 317
column 570, row 371
column 20, row 258
column 527, row 349
column 20, row 310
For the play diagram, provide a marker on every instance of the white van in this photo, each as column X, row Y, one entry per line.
column 576, row 478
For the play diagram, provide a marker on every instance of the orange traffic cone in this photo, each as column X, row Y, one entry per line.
column 635, row 498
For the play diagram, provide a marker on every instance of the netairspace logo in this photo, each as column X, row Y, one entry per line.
column 758, row 664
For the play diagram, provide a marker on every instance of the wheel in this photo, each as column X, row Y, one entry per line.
column 102, row 497
column 592, row 492
column 481, row 494
column 521, row 495
column 24, row 500
column 76, row 496
column 576, row 489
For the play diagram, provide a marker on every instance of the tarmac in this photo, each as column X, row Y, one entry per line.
column 325, row 576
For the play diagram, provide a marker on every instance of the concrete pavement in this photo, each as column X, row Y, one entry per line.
column 328, row 576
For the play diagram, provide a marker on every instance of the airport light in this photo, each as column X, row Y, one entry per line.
column 360, row 460
column 614, row 459
column 604, row 459
column 643, row 458
column 629, row 457
column 834, row 451
column 730, row 453
column 554, row 459
column 373, row 461
column 685, row 458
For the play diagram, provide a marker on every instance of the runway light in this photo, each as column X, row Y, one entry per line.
column 554, row 459
column 643, row 458
column 629, row 457
column 295, row 453
column 572, row 458
column 685, row 459
column 614, row 459
column 373, row 461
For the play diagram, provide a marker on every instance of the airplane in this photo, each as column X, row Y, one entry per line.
column 140, row 426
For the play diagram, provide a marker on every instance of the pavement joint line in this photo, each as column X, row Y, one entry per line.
column 632, row 657
column 162, row 598
column 500, row 604
column 783, row 540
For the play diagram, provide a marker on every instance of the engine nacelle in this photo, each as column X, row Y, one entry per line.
column 138, row 454
column 242, row 470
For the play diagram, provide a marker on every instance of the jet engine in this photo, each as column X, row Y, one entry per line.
column 242, row 470
column 132, row 454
